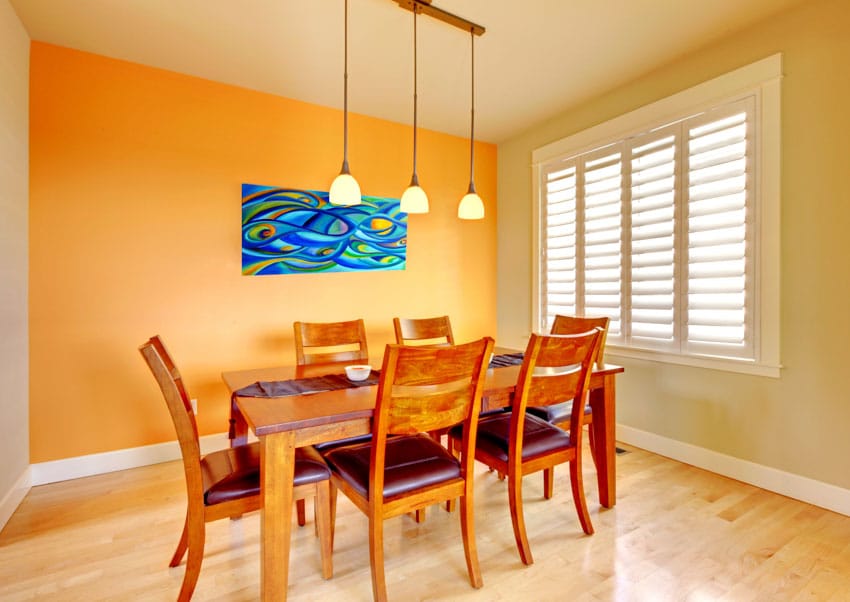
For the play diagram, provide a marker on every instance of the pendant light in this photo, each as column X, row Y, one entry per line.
column 345, row 190
column 414, row 199
column 471, row 206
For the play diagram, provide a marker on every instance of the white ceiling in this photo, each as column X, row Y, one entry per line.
column 537, row 57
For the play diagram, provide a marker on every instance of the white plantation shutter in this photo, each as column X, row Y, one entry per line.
column 719, row 232
column 602, row 235
column 559, row 252
column 655, row 231
column 653, row 163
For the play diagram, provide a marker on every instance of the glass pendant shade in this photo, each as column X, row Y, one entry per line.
column 414, row 200
column 344, row 190
column 471, row 206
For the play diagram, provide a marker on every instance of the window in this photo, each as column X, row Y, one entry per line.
column 670, row 229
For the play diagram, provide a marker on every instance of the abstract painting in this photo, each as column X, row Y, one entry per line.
column 290, row 231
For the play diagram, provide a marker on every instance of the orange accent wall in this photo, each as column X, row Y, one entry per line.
column 135, row 184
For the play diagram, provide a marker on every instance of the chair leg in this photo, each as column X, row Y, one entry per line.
column 591, row 440
column 322, row 503
column 518, row 517
column 419, row 515
column 470, row 549
column 578, row 497
column 181, row 545
column 193, row 565
column 332, row 510
column 376, row 558
column 454, row 450
column 548, row 480
column 302, row 512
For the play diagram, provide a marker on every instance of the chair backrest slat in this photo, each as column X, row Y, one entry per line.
column 423, row 331
column 323, row 342
column 575, row 325
column 174, row 373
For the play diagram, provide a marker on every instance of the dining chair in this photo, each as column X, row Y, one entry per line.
column 517, row 443
column 423, row 331
column 226, row 483
column 402, row 468
column 324, row 342
column 559, row 413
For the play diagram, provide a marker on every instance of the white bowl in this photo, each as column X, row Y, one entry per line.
column 358, row 372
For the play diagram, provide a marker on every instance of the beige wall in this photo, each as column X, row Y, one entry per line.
column 14, row 192
column 798, row 423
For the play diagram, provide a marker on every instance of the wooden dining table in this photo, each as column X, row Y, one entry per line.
column 284, row 423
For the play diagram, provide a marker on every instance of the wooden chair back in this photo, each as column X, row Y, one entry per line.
column 424, row 389
column 180, row 407
column 576, row 325
column 555, row 368
column 423, row 331
column 324, row 342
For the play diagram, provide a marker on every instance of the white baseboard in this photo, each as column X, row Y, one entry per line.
column 122, row 459
column 15, row 496
column 794, row 486
column 798, row 487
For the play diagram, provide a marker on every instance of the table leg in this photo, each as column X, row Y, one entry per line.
column 604, row 432
column 277, row 468
column 238, row 427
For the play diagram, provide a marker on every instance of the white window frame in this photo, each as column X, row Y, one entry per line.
column 762, row 79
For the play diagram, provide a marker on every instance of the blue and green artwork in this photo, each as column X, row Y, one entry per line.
column 289, row 231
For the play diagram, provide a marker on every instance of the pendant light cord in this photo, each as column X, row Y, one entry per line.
column 345, row 99
column 472, row 119
column 414, row 181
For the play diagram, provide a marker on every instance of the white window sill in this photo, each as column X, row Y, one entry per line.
column 613, row 352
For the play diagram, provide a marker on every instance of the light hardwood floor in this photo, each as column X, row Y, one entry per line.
column 677, row 533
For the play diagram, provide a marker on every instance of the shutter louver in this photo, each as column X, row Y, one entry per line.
column 718, row 239
column 653, row 282
column 560, row 249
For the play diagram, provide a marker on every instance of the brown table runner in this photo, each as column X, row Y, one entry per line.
column 331, row 382
column 507, row 359
column 299, row 386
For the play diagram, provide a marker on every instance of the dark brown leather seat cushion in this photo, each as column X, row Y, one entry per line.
column 557, row 413
column 539, row 437
column 235, row 472
column 412, row 463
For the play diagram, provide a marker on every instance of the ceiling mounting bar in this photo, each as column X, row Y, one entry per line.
column 424, row 7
